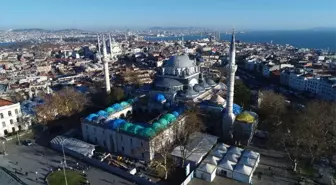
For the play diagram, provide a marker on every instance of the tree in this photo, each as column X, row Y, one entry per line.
column 117, row 94
column 162, row 148
column 242, row 95
column 272, row 110
column 318, row 128
column 65, row 102
column 184, row 132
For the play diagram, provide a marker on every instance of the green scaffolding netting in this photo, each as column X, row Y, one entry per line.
column 169, row 117
column 163, row 122
column 157, row 126
column 126, row 126
column 134, row 129
column 109, row 110
column 148, row 132
column 124, row 104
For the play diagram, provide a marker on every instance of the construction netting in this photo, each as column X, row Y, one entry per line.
column 148, row 132
column 115, row 123
column 236, row 109
column 102, row 113
column 157, row 126
column 124, row 104
column 163, row 122
column 245, row 117
column 125, row 126
column 176, row 114
column 116, row 106
column 109, row 110
column 134, row 129
column 91, row 117
column 169, row 117
column 160, row 98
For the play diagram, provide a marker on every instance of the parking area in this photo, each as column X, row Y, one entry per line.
column 32, row 163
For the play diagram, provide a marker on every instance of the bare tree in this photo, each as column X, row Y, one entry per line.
column 163, row 147
column 183, row 132
column 271, row 110
column 318, row 126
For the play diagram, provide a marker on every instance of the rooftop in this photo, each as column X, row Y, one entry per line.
column 4, row 102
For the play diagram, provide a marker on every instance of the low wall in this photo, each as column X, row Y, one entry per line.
column 106, row 167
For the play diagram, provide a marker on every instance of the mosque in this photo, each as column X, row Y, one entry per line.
column 179, row 80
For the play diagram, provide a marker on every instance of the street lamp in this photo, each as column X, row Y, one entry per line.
column 4, row 148
column 64, row 162
column 18, row 138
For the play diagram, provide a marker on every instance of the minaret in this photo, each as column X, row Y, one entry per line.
column 110, row 40
column 231, row 69
column 98, row 44
column 30, row 93
column 106, row 68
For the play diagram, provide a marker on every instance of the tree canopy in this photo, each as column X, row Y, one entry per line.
column 307, row 133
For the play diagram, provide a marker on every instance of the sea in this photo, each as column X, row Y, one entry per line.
column 313, row 39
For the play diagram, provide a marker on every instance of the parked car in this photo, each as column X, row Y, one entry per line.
column 27, row 142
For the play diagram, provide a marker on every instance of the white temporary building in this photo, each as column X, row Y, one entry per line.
column 222, row 146
column 248, row 162
column 218, row 153
column 232, row 157
column 243, row 173
column 206, row 171
column 235, row 150
column 225, row 168
column 251, row 155
column 212, row 160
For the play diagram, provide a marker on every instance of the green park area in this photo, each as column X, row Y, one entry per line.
column 73, row 178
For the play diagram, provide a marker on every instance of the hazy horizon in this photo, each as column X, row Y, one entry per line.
column 141, row 14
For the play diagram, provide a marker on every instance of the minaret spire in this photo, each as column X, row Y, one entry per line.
column 98, row 43
column 231, row 69
column 110, row 40
column 106, row 68
column 104, row 48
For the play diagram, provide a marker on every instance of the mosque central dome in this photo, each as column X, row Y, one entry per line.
column 180, row 61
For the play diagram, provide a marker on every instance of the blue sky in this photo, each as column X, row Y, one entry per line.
column 218, row 14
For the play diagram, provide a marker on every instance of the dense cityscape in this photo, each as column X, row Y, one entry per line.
column 164, row 105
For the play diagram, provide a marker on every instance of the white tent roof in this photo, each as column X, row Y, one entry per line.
column 232, row 157
column 243, row 169
column 226, row 164
column 247, row 161
column 217, row 153
column 206, row 167
column 251, row 154
column 212, row 160
column 222, row 146
column 235, row 150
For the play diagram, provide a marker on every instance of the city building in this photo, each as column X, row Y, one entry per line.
column 11, row 118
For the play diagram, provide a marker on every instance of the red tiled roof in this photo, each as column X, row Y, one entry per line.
column 5, row 102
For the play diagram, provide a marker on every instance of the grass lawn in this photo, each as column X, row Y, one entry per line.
column 73, row 178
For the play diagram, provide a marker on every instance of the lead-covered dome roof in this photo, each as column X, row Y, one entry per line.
column 180, row 61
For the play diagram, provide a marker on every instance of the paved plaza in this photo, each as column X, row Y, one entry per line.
column 38, row 161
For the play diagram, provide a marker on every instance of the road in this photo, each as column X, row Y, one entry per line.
column 38, row 162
